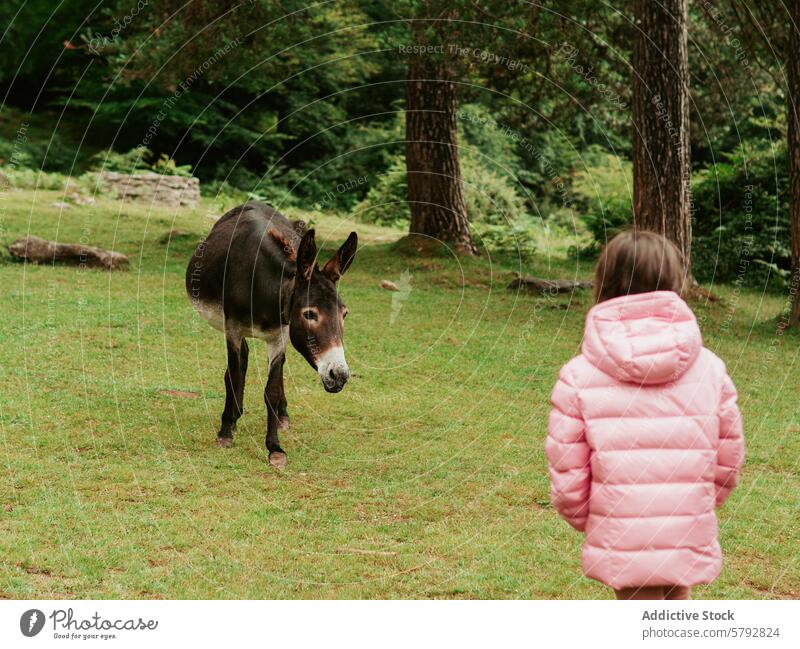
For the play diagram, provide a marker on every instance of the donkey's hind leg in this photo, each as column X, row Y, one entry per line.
column 234, row 388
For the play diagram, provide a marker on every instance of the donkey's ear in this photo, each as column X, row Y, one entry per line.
column 340, row 262
column 307, row 255
column 283, row 241
column 299, row 226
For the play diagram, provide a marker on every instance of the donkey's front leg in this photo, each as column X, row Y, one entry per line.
column 234, row 388
column 277, row 415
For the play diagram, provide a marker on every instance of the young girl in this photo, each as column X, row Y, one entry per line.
column 645, row 438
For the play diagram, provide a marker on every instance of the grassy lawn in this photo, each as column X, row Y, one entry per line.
column 425, row 478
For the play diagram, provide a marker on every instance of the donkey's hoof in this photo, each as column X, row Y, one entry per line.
column 277, row 459
column 224, row 442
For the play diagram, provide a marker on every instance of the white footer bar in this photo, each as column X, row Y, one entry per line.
column 390, row 624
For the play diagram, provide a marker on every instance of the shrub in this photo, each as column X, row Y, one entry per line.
column 478, row 131
column 131, row 162
column 740, row 225
column 489, row 196
column 497, row 212
column 386, row 203
column 24, row 178
column 602, row 194
column 49, row 156
column 517, row 239
column 741, row 217
column 605, row 219
column 136, row 161
column 168, row 167
column 369, row 150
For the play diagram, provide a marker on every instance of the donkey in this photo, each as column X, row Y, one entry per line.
column 256, row 276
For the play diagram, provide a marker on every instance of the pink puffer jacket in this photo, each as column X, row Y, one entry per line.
column 645, row 441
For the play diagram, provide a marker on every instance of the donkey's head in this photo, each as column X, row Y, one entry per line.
column 316, row 322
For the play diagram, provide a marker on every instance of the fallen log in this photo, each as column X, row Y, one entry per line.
column 700, row 294
column 40, row 251
column 539, row 286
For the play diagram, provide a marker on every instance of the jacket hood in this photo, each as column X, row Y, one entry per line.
column 644, row 338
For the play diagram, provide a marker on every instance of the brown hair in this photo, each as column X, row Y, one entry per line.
column 638, row 261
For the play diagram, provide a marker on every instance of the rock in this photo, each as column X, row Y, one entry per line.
column 389, row 286
column 76, row 198
column 41, row 251
column 61, row 205
column 171, row 191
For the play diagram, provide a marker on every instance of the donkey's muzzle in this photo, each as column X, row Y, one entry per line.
column 334, row 382
column 333, row 370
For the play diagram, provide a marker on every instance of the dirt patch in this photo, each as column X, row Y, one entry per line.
column 775, row 593
column 180, row 394
column 33, row 570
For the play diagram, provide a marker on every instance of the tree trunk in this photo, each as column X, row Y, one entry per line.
column 793, row 153
column 435, row 192
column 40, row 251
column 661, row 154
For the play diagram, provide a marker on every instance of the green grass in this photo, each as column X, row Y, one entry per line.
column 425, row 478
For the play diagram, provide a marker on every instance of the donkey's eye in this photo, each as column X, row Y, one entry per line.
column 308, row 314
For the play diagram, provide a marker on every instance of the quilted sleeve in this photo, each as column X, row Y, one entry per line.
column 568, row 454
column 730, row 452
